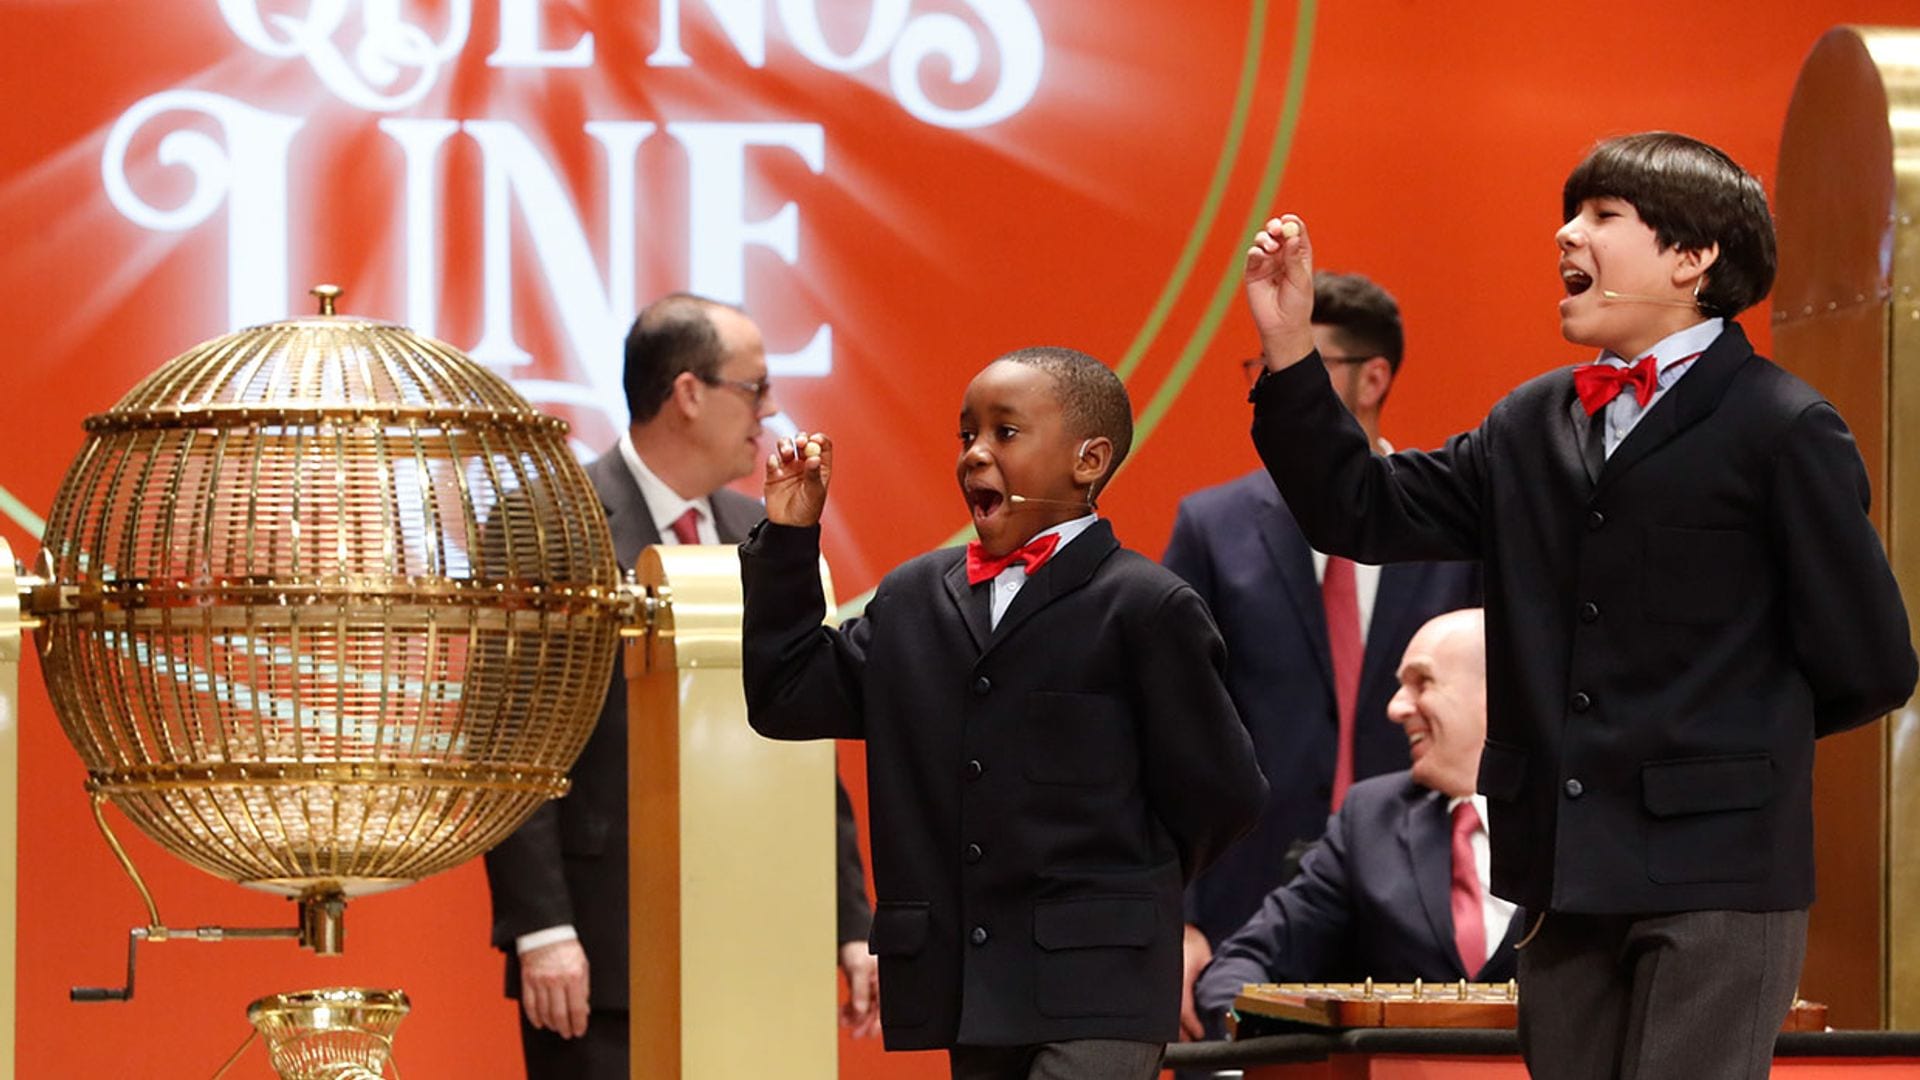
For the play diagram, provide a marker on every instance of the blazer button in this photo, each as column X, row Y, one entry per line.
column 974, row 853
column 979, row 935
column 1589, row 612
column 1574, row 791
column 974, row 769
column 1581, row 702
column 1595, row 519
column 981, row 685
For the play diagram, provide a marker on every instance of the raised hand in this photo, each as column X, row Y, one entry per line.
column 798, row 471
column 1279, row 282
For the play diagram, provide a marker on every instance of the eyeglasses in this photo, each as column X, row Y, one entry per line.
column 1254, row 365
column 757, row 389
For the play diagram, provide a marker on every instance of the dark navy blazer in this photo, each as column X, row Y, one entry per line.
column 1238, row 546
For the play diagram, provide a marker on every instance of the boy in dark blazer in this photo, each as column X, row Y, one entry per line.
column 1683, row 591
column 1051, row 749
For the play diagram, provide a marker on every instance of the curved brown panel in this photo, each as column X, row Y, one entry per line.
column 1844, row 204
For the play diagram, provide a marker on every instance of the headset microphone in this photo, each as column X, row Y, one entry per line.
column 1635, row 298
column 1087, row 506
column 1024, row 501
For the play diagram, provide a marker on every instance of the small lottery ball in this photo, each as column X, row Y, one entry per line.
column 812, row 449
column 1289, row 229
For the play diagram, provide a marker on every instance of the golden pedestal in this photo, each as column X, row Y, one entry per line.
column 732, row 869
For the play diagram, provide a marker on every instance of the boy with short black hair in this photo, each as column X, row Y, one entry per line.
column 1683, row 591
column 1051, row 750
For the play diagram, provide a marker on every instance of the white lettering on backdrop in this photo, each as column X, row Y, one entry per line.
column 370, row 56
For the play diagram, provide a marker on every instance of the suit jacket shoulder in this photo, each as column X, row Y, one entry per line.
column 1231, row 498
column 734, row 514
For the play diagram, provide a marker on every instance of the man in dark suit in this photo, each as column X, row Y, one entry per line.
column 697, row 390
column 1684, row 591
column 1239, row 547
column 1383, row 893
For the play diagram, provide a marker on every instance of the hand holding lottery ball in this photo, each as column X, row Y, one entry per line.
column 797, row 474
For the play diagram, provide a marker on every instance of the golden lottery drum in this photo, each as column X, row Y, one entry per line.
column 332, row 607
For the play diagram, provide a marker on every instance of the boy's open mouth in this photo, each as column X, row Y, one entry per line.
column 984, row 501
column 1576, row 281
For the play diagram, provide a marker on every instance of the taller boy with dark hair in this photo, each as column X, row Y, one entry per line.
column 1683, row 591
column 1051, row 749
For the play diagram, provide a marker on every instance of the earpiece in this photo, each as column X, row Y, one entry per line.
column 1087, row 506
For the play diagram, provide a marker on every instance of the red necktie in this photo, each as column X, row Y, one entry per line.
column 1342, row 602
column 686, row 527
column 1469, row 916
column 1598, row 384
column 984, row 567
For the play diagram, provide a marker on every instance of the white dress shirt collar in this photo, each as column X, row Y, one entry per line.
column 664, row 504
column 1006, row 585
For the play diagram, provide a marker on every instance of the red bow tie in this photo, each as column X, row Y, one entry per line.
column 984, row 567
column 1598, row 384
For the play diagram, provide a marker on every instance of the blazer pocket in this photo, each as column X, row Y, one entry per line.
column 1708, row 818
column 898, row 936
column 1095, row 956
column 1503, row 771
column 1697, row 575
column 1076, row 738
column 899, row 928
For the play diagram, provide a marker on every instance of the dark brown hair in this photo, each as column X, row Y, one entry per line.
column 1693, row 196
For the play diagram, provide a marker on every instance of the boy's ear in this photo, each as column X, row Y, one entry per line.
column 1694, row 263
column 1092, row 461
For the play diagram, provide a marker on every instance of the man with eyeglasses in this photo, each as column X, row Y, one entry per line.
column 1313, row 643
column 697, row 390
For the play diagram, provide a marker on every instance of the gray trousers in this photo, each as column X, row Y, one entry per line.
column 1698, row 995
column 1075, row 1059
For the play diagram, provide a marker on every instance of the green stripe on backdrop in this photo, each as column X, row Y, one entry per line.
column 1229, row 282
column 20, row 514
column 1216, row 194
column 1227, row 290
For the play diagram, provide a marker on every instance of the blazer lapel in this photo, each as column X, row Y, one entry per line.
column 628, row 518
column 973, row 605
column 1069, row 569
column 1293, row 565
column 1427, row 834
column 1694, row 396
column 734, row 514
column 1378, row 662
column 1586, row 447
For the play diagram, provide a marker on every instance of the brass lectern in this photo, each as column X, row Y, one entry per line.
column 732, row 915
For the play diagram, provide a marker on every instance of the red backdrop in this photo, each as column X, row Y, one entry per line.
column 490, row 173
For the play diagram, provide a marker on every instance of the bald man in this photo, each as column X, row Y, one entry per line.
column 1378, row 895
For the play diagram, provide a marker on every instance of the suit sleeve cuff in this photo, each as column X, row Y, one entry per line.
column 785, row 543
column 552, row 935
column 1273, row 387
